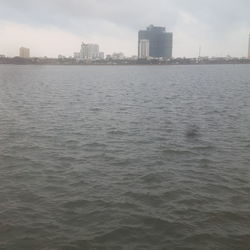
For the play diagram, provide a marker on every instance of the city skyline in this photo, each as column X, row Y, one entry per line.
column 90, row 51
column 218, row 27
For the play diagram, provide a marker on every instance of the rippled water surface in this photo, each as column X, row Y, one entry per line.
column 124, row 157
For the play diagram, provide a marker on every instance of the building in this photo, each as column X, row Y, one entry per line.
column 61, row 57
column 24, row 52
column 89, row 51
column 77, row 55
column 101, row 55
column 118, row 56
column 160, row 42
column 143, row 48
column 133, row 58
column 108, row 57
column 249, row 48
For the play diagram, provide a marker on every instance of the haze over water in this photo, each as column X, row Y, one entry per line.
column 125, row 157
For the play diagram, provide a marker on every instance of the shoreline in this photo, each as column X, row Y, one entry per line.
column 124, row 62
column 155, row 65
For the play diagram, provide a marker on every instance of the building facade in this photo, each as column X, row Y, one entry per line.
column 24, row 52
column 89, row 51
column 143, row 48
column 160, row 42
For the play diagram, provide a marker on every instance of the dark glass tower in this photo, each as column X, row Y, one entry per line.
column 160, row 41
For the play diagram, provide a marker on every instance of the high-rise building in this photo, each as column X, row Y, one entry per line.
column 143, row 48
column 249, row 48
column 89, row 51
column 24, row 52
column 160, row 41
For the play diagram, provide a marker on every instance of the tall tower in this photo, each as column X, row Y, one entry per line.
column 249, row 48
column 160, row 41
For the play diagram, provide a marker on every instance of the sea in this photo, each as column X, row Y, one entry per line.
column 125, row 157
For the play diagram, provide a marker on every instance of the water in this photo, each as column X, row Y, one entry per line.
column 124, row 157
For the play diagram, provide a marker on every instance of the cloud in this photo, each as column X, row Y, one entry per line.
column 218, row 26
column 52, row 41
column 41, row 41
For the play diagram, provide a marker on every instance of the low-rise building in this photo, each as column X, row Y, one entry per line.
column 101, row 55
column 118, row 56
column 77, row 55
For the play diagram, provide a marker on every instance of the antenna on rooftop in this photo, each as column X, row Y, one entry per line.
column 199, row 52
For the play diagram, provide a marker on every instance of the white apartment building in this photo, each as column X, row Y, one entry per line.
column 143, row 49
column 89, row 51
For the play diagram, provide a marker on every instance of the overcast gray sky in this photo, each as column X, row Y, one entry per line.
column 52, row 27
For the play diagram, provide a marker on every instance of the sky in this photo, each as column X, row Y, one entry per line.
column 53, row 27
